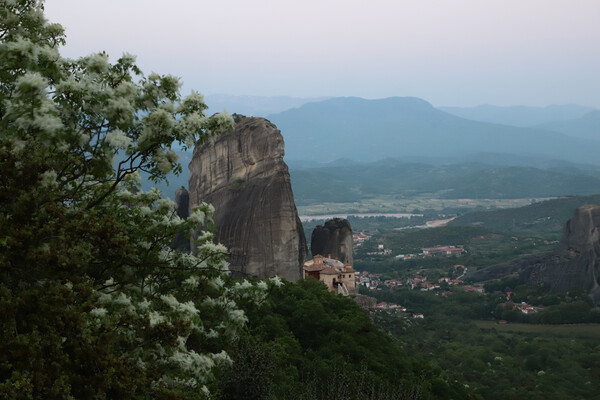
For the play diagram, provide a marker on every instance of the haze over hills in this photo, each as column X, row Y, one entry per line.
column 255, row 106
column 369, row 130
column 586, row 126
column 523, row 116
column 413, row 147
column 486, row 158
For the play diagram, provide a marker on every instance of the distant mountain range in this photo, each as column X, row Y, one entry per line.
column 420, row 148
column 370, row 130
column 523, row 116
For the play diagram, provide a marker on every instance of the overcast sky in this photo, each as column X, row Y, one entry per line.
column 448, row 52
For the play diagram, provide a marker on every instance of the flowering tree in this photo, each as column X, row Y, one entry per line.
column 93, row 302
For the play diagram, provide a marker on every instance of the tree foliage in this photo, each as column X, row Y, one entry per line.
column 94, row 304
column 305, row 342
column 499, row 361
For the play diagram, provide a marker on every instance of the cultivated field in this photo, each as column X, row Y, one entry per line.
column 399, row 204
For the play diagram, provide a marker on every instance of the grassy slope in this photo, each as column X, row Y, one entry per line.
column 547, row 217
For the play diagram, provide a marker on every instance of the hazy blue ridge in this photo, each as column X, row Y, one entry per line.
column 523, row 116
column 491, row 159
column 587, row 126
column 369, row 130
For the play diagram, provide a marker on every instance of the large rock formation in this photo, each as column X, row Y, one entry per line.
column 333, row 240
column 243, row 175
column 182, row 200
column 573, row 264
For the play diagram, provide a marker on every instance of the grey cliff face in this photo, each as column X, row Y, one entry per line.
column 243, row 175
column 333, row 240
column 574, row 263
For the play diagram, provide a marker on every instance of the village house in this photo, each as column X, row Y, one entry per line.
column 362, row 280
column 367, row 279
column 381, row 251
column 427, row 286
column 525, row 308
column 359, row 238
column 339, row 277
column 476, row 289
column 391, row 283
column 415, row 281
column 384, row 306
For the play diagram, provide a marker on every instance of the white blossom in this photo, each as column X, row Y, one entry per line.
column 188, row 307
column 97, row 62
column 192, row 281
column 117, row 139
column 197, row 217
column 170, row 300
column 237, row 316
column 143, row 305
column 84, row 139
column 172, row 156
column 217, row 282
column 104, row 298
column 276, row 281
column 122, row 299
column 205, row 390
column 166, row 205
column 224, row 120
column 48, row 179
column 128, row 59
column 222, row 358
column 156, row 318
column 181, row 342
column 98, row 312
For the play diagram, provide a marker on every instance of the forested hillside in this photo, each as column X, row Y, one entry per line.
column 353, row 182
column 304, row 342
